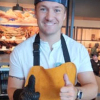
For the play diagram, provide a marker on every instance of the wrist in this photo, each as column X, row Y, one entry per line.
column 76, row 93
column 79, row 94
column 17, row 94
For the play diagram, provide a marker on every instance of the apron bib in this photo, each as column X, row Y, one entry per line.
column 48, row 82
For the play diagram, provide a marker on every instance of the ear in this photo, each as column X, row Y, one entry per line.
column 64, row 15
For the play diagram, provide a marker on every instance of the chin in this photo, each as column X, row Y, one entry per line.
column 50, row 33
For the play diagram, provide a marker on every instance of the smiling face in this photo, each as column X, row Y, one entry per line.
column 50, row 17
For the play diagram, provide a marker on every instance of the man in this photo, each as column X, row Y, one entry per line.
column 94, row 49
column 95, row 63
column 50, row 15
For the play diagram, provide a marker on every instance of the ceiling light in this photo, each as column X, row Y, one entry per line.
column 17, row 7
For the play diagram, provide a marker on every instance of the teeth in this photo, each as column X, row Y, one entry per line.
column 49, row 23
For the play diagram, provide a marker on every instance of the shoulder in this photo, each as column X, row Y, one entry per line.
column 78, row 53
column 70, row 40
column 71, row 43
column 25, row 45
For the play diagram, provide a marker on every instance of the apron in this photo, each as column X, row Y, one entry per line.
column 48, row 82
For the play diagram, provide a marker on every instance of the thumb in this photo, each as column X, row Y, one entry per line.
column 31, row 83
column 66, row 79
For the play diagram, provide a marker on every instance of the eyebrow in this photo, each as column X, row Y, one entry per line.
column 53, row 7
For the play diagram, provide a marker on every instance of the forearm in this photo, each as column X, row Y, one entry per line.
column 14, row 93
column 10, row 93
column 89, row 91
column 13, row 84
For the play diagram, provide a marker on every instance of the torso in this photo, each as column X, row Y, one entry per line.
column 50, row 59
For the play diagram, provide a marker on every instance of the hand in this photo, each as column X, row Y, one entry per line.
column 68, row 92
column 28, row 92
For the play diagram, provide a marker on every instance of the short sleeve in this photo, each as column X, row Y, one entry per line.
column 15, row 64
column 85, row 63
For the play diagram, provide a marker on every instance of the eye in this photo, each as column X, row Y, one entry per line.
column 43, row 9
column 57, row 10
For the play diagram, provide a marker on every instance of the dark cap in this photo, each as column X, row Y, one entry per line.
column 94, row 54
column 63, row 2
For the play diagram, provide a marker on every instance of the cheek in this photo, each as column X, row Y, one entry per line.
column 40, row 16
column 61, row 19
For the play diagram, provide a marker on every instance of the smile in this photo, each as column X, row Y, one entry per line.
column 49, row 24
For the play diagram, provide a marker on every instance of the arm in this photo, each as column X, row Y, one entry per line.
column 88, row 87
column 13, row 84
column 27, row 93
column 86, row 77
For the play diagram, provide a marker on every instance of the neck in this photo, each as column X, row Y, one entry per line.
column 51, row 39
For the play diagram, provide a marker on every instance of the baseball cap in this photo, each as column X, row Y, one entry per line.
column 63, row 2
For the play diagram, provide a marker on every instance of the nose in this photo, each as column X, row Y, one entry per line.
column 49, row 15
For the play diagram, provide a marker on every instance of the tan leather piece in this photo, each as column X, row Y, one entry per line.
column 49, row 81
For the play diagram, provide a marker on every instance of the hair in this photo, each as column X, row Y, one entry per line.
column 94, row 54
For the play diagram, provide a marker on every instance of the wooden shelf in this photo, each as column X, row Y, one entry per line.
column 84, row 35
column 12, row 40
column 5, row 49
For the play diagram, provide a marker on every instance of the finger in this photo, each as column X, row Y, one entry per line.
column 66, row 94
column 31, row 83
column 66, row 98
column 66, row 79
column 63, row 98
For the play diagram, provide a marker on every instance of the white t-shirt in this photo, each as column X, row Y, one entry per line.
column 21, row 59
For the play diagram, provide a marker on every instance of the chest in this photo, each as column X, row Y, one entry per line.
column 51, row 58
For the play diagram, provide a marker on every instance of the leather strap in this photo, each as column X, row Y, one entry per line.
column 65, row 50
column 36, row 50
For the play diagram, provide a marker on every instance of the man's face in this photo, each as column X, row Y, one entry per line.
column 50, row 17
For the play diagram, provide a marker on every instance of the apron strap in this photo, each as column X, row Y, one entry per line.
column 36, row 50
column 65, row 49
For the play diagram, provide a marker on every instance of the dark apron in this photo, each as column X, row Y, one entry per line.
column 49, row 81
